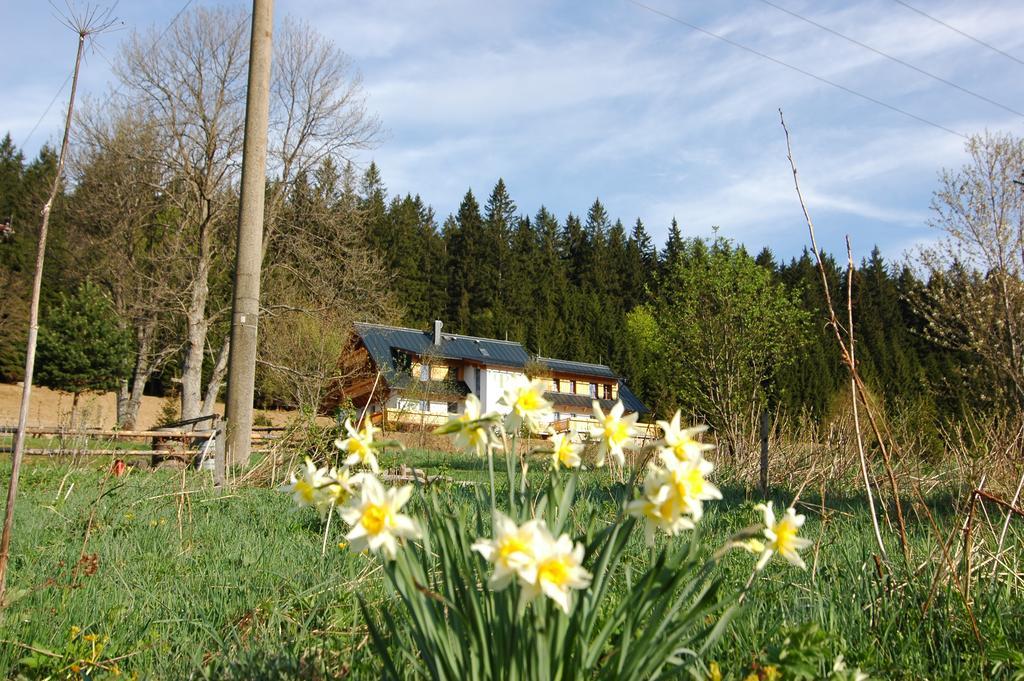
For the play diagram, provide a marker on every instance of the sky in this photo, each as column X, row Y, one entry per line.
column 572, row 101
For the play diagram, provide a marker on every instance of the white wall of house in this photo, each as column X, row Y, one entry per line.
column 493, row 382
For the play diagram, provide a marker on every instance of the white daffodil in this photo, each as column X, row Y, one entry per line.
column 513, row 551
column 680, row 441
column 472, row 430
column 613, row 431
column 376, row 522
column 525, row 404
column 689, row 478
column 305, row 489
column 337, row 487
column 558, row 570
column 661, row 509
column 359, row 445
column 565, row 452
column 782, row 536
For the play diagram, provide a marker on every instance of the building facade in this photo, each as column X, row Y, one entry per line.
column 408, row 378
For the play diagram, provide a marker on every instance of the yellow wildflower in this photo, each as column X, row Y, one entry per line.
column 471, row 428
column 304, row 489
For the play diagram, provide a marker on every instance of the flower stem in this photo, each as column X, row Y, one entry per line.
column 490, row 471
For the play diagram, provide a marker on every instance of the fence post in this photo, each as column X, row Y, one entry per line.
column 764, row 453
column 219, row 450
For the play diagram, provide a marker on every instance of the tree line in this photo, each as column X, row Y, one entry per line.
column 143, row 231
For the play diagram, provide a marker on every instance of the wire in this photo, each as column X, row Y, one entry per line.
column 822, row 79
column 47, row 111
column 963, row 33
column 895, row 59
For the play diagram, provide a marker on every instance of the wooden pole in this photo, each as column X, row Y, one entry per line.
column 248, row 260
column 33, row 326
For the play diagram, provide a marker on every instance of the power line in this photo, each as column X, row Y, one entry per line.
column 48, row 107
column 963, row 33
column 822, row 79
column 895, row 59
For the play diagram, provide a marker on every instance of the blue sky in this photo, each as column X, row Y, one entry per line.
column 568, row 101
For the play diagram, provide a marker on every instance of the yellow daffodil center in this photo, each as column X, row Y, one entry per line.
column 375, row 518
column 528, row 401
column 554, row 571
column 694, row 482
column 305, row 490
column 686, row 448
column 785, row 533
column 338, row 494
column 615, row 430
column 512, row 544
column 359, row 447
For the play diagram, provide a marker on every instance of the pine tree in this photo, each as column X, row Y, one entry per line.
column 82, row 346
column 672, row 253
column 552, row 288
column 493, row 265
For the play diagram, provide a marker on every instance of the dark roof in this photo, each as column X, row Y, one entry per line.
column 630, row 401
column 582, row 368
column 380, row 340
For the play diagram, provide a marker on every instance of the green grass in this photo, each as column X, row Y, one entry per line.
column 53, row 442
column 235, row 585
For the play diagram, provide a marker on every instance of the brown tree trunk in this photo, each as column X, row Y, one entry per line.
column 216, row 378
column 129, row 399
column 197, row 322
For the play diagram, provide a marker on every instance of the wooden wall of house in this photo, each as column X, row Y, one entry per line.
column 563, row 383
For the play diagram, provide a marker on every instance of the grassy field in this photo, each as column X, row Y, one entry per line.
column 131, row 576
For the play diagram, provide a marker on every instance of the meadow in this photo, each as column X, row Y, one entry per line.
column 158, row 575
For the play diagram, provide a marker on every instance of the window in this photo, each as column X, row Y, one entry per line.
column 558, row 385
column 424, row 405
column 424, row 372
column 453, row 407
column 593, row 390
column 607, row 391
column 572, row 387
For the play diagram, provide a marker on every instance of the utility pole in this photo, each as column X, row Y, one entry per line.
column 246, row 305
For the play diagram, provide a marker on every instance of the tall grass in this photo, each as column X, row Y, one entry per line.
column 233, row 585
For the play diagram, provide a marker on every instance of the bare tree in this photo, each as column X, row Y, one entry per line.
column 322, row 279
column 117, row 207
column 974, row 300
column 190, row 83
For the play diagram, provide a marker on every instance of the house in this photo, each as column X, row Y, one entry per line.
column 414, row 378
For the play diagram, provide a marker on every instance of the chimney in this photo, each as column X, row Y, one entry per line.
column 437, row 331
